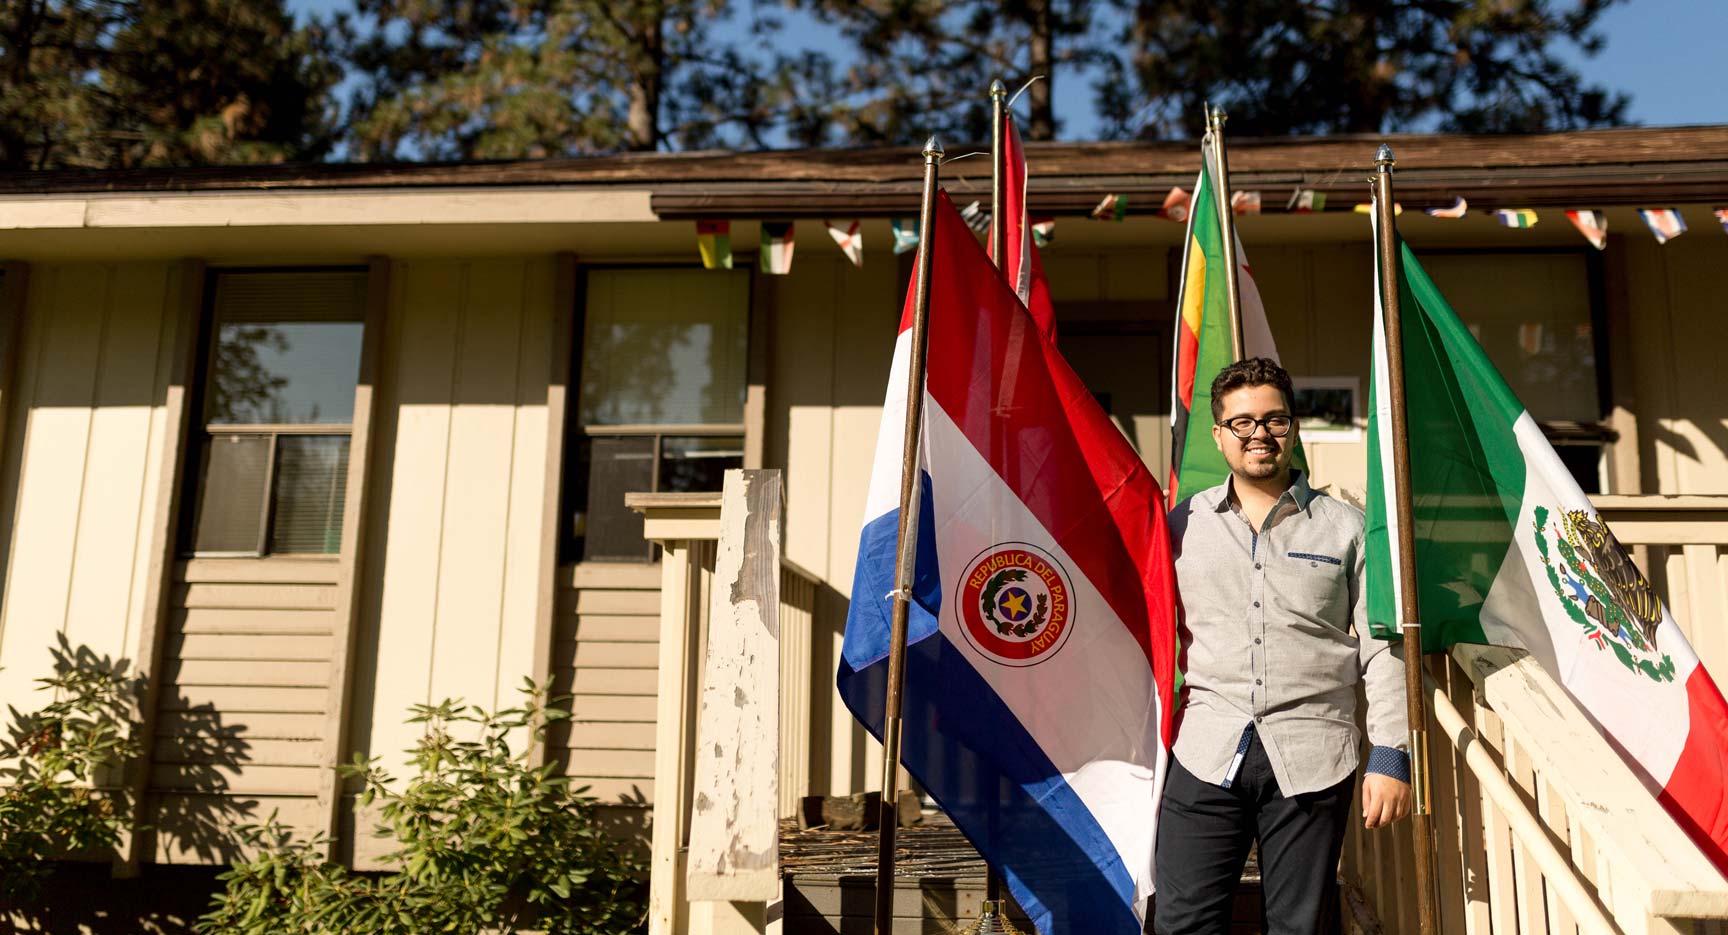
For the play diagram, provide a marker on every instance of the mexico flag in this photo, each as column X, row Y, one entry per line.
column 1509, row 551
column 1203, row 345
column 1041, row 638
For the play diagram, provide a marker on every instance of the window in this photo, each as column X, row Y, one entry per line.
column 662, row 361
column 283, row 357
column 1534, row 314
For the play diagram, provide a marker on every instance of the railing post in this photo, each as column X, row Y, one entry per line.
column 685, row 526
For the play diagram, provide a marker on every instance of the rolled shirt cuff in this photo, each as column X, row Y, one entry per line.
column 1389, row 761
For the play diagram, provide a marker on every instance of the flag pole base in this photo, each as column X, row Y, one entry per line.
column 992, row 920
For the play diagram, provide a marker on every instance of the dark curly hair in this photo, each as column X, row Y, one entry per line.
column 1251, row 371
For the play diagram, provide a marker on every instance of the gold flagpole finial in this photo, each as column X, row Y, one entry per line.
column 998, row 89
column 1384, row 157
column 933, row 149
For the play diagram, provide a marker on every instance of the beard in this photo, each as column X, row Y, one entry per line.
column 1261, row 467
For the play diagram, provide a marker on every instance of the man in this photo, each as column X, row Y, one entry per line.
column 1276, row 640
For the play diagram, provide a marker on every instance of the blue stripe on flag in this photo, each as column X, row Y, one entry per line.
column 867, row 620
column 961, row 741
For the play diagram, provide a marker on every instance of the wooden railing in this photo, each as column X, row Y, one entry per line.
column 1539, row 825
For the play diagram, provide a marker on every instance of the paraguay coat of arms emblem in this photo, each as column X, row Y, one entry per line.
column 1014, row 604
column 1602, row 589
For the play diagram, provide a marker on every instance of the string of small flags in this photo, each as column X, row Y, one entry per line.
column 1455, row 210
column 905, row 234
column 976, row 217
column 1112, row 208
column 714, row 243
column 776, row 253
column 1593, row 225
column 1044, row 230
column 849, row 235
column 714, row 237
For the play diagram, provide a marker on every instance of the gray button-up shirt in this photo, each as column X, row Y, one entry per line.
column 1275, row 632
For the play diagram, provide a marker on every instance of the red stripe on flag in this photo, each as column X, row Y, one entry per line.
column 1187, row 361
column 1049, row 440
column 1694, row 794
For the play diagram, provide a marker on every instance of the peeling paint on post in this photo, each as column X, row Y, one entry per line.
column 734, row 831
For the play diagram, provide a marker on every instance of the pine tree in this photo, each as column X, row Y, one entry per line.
column 1355, row 66
column 191, row 82
column 924, row 66
column 505, row 79
column 122, row 83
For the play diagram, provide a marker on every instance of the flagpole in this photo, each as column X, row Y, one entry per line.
column 1215, row 118
column 999, row 161
column 905, row 554
column 1421, row 821
column 987, row 913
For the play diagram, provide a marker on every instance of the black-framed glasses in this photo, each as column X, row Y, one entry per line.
column 1243, row 427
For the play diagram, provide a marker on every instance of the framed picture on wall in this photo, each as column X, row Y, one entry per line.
column 1329, row 408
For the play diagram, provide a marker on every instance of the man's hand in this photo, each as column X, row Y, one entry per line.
column 1384, row 800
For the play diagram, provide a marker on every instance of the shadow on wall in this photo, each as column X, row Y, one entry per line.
column 194, row 750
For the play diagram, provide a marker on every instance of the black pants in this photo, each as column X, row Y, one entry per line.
column 1204, row 832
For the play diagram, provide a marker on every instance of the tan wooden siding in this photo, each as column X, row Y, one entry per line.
column 78, row 474
column 1679, row 322
column 454, row 523
column 605, row 648
column 246, row 674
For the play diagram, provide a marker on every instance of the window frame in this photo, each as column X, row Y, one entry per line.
column 207, row 432
column 571, row 549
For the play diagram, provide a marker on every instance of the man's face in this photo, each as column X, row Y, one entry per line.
column 1261, row 455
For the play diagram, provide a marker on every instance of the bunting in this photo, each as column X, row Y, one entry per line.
column 976, row 217
column 1044, row 230
column 1112, row 208
column 775, row 257
column 905, row 234
column 1306, row 201
column 1665, row 223
column 1516, row 217
column 714, row 243
column 1175, row 206
column 1593, row 225
column 1245, row 202
column 850, row 238
column 1455, row 210
column 1722, row 215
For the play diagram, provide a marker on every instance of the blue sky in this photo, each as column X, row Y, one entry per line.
column 1665, row 53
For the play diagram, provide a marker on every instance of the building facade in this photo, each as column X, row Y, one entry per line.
column 312, row 445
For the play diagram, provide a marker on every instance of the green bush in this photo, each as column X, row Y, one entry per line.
column 49, row 763
column 484, row 842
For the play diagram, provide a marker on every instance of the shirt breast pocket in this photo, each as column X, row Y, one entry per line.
column 1314, row 586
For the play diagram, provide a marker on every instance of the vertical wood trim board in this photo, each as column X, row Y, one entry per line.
column 164, row 533
column 557, row 406
column 350, row 565
column 14, row 293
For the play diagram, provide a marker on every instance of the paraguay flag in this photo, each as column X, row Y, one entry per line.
column 1039, row 661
